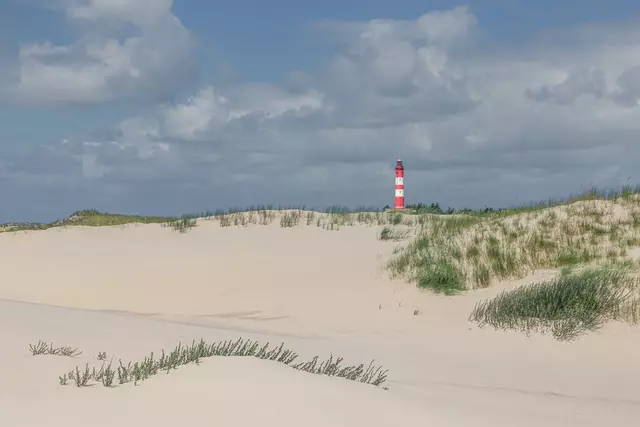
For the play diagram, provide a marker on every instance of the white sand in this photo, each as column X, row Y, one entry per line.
column 132, row 290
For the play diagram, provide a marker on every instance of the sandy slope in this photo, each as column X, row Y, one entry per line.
column 321, row 292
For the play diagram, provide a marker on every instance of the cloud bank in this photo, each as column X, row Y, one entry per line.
column 125, row 48
column 477, row 122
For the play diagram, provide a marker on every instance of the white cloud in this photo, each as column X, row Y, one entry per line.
column 474, row 122
column 573, row 85
column 273, row 102
column 423, row 89
column 628, row 92
column 197, row 115
column 448, row 25
column 393, row 72
column 206, row 114
column 137, row 12
column 105, row 63
column 143, row 135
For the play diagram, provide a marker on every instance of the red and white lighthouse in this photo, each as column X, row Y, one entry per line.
column 399, row 185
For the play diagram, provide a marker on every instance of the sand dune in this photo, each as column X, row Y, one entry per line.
column 297, row 279
column 140, row 288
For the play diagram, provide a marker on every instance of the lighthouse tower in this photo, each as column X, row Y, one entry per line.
column 399, row 185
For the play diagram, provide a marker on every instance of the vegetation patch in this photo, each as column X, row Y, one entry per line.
column 393, row 234
column 94, row 218
column 182, row 225
column 41, row 348
column 442, row 278
column 290, row 219
column 569, row 305
column 473, row 250
column 183, row 355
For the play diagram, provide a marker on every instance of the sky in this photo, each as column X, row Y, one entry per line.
column 168, row 107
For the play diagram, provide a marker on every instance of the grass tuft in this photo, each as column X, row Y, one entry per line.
column 442, row 278
column 567, row 306
column 390, row 233
column 182, row 225
column 41, row 348
column 290, row 219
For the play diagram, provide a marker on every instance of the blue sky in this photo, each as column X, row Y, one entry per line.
column 168, row 107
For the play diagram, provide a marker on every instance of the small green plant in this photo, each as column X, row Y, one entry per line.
column 82, row 379
column 108, row 376
column 41, row 348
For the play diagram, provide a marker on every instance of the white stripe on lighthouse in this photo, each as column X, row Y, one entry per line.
column 399, row 192
column 399, row 180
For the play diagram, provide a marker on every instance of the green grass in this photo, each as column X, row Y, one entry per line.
column 333, row 219
column 93, row 218
column 592, row 193
column 183, row 355
column 442, row 278
column 567, row 306
column 452, row 253
column 429, row 260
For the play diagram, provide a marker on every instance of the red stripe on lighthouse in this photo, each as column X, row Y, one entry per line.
column 399, row 185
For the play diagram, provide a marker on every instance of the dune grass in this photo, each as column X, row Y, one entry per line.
column 393, row 234
column 183, row 224
column 183, row 355
column 576, row 301
column 591, row 193
column 41, row 348
column 460, row 252
column 94, row 218
column 330, row 220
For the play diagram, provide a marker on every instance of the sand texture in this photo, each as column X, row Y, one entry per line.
column 131, row 290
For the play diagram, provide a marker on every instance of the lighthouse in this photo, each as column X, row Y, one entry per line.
column 399, row 205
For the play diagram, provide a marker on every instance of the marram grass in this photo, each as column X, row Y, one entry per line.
column 183, row 355
column 568, row 305
column 462, row 252
column 393, row 234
